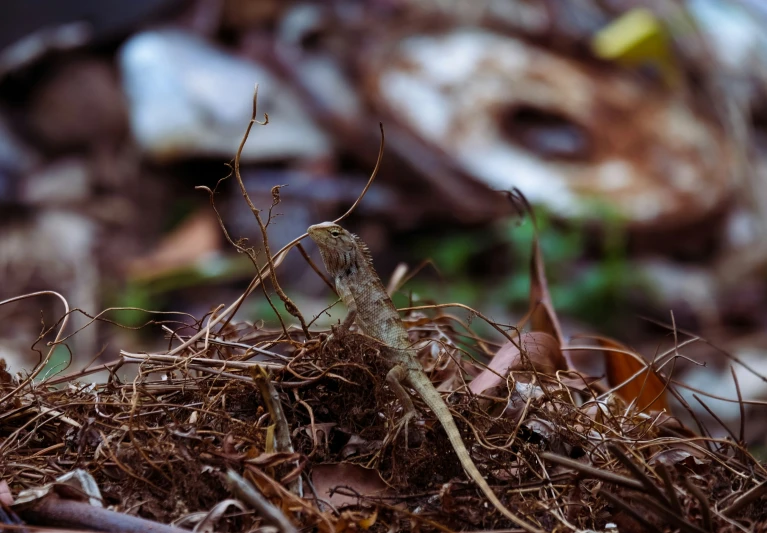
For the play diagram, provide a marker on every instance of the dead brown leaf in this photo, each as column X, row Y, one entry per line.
column 439, row 361
column 364, row 481
column 647, row 390
column 542, row 315
column 541, row 349
column 687, row 456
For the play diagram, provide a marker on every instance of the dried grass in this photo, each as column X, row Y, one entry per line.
column 232, row 398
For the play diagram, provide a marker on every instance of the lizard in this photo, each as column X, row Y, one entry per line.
column 348, row 261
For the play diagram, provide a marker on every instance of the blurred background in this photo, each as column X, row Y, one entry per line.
column 637, row 129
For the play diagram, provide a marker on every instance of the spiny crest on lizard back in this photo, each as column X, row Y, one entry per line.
column 340, row 249
column 363, row 248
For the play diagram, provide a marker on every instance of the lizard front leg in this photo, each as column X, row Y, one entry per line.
column 351, row 307
column 351, row 316
column 395, row 377
column 342, row 287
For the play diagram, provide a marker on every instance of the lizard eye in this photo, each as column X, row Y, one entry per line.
column 335, row 233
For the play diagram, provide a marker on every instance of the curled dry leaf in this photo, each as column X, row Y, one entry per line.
column 543, row 428
column 438, row 357
column 542, row 315
column 647, row 390
column 209, row 522
column 74, row 485
column 541, row 349
column 274, row 459
column 522, row 393
column 681, row 455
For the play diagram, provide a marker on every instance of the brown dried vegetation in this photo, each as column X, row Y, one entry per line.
column 237, row 426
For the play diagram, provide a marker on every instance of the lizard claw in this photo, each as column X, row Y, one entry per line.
column 404, row 424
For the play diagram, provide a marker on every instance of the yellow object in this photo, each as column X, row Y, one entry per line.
column 636, row 38
column 370, row 521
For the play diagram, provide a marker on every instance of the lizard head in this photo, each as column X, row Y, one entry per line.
column 330, row 235
column 333, row 240
column 340, row 249
column 337, row 246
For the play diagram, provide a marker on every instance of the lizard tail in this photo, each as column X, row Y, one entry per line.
column 434, row 400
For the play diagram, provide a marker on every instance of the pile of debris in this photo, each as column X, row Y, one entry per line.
column 237, row 426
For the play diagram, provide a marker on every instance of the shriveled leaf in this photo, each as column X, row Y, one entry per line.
column 542, row 428
column 209, row 523
column 647, row 390
column 363, row 481
column 682, row 455
column 273, row 459
column 542, row 350
column 516, row 407
column 439, row 360
column 542, row 315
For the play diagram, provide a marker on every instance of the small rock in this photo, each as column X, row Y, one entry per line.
column 190, row 99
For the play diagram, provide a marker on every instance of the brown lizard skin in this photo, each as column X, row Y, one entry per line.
column 348, row 262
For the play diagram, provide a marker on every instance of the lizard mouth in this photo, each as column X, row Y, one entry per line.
column 313, row 232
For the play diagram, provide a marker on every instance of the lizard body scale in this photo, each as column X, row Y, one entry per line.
column 348, row 262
